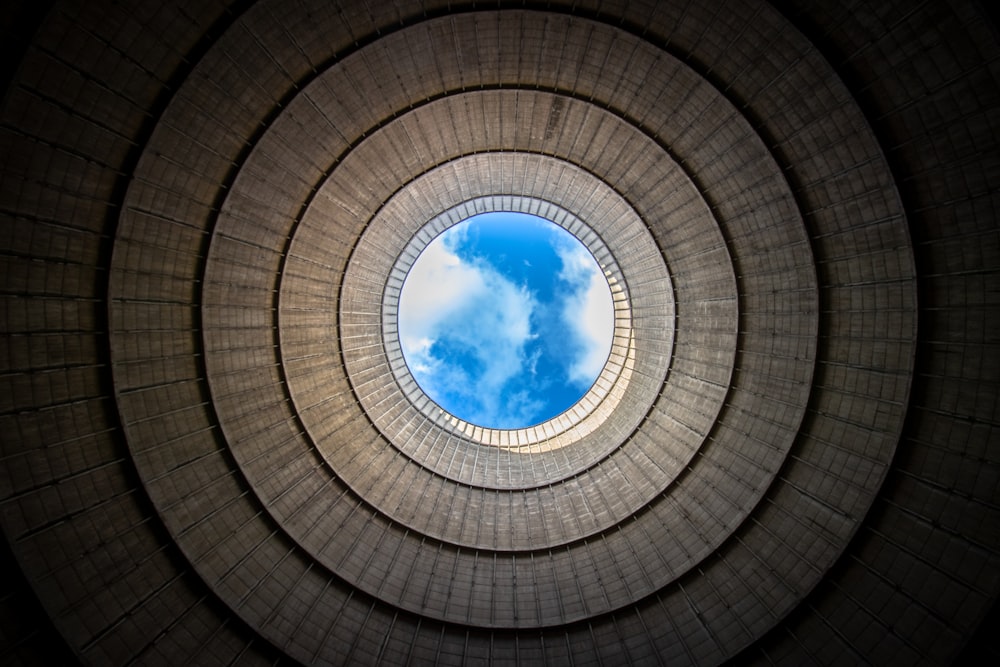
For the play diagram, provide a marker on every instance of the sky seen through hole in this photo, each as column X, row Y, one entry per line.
column 505, row 320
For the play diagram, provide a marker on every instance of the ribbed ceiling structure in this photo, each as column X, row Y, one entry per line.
column 213, row 453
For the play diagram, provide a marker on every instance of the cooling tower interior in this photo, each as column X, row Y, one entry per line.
column 212, row 452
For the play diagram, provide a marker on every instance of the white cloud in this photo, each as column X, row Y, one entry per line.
column 588, row 311
column 478, row 309
column 438, row 284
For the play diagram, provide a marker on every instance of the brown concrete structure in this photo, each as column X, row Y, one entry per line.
column 210, row 453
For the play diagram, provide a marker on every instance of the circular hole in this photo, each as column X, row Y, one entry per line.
column 505, row 320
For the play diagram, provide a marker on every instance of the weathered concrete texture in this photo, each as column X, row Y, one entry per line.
column 205, row 456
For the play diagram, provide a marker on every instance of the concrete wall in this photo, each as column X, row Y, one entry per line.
column 205, row 453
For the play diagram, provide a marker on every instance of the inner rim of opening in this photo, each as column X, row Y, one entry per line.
column 595, row 405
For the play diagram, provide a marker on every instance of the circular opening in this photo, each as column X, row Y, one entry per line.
column 505, row 320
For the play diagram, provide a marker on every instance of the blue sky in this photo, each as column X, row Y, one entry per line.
column 505, row 320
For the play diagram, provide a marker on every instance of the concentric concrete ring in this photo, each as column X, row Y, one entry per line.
column 724, row 176
column 304, row 498
column 600, row 399
column 318, row 507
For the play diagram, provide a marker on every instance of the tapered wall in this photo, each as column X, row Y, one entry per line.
column 212, row 453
